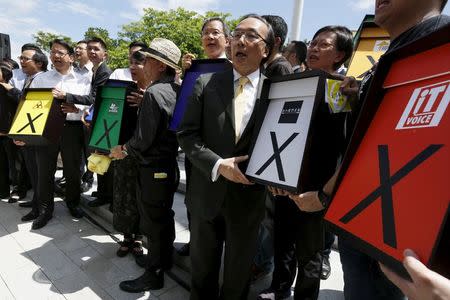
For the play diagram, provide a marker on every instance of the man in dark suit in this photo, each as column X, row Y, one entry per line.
column 97, row 53
column 216, row 135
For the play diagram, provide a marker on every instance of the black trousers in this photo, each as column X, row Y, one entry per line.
column 70, row 144
column 29, row 155
column 4, row 168
column 12, row 168
column 300, row 235
column 236, row 226
column 156, row 188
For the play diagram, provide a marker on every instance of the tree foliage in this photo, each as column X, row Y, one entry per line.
column 43, row 39
column 181, row 26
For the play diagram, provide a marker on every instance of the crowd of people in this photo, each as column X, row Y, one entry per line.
column 257, row 229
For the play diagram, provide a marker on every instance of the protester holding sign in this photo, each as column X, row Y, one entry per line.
column 330, row 48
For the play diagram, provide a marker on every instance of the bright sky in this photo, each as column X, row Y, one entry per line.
column 21, row 18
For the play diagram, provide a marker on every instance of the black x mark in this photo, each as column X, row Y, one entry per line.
column 30, row 123
column 384, row 191
column 276, row 155
column 106, row 133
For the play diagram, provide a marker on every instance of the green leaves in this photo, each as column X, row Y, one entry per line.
column 181, row 26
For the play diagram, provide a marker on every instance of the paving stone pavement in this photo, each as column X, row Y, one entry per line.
column 75, row 259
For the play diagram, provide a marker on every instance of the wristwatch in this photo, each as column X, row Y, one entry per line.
column 323, row 198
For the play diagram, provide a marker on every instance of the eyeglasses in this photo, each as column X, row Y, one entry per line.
column 249, row 36
column 58, row 53
column 24, row 58
column 322, row 45
column 215, row 34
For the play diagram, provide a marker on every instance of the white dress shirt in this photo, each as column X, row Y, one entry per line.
column 72, row 83
column 18, row 79
column 121, row 74
column 251, row 91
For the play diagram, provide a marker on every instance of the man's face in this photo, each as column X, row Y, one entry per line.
column 60, row 57
column 390, row 14
column 81, row 52
column 214, row 41
column 289, row 54
column 322, row 53
column 28, row 65
column 96, row 53
column 248, row 47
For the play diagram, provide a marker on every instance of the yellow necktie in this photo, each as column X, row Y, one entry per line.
column 239, row 106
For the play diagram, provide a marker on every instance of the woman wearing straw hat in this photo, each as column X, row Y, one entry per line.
column 155, row 147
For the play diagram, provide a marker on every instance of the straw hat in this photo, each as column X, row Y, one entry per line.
column 165, row 51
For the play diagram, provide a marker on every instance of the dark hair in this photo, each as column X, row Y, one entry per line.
column 270, row 38
column 137, row 44
column 64, row 44
column 40, row 57
column 6, row 71
column 344, row 41
column 11, row 63
column 170, row 72
column 225, row 28
column 138, row 55
column 279, row 27
column 300, row 51
column 443, row 4
column 98, row 40
column 81, row 42
column 30, row 46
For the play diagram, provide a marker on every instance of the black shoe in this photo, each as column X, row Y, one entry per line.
column 26, row 204
column 326, row 268
column 12, row 200
column 41, row 221
column 18, row 194
column 4, row 195
column 85, row 186
column 30, row 216
column 274, row 294
column 76, row 212
column 98, row 202
column 124, row 248
column 185, row 250
column 150, row 280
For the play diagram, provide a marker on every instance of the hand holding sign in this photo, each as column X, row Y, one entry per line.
column 229, row 169
column 425, row 284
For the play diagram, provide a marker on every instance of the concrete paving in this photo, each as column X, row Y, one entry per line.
column 75, row 259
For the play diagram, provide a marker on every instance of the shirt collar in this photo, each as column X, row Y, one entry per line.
column 253, row 77
column 71, row 73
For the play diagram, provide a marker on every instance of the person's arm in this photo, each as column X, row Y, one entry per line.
column 425, row 285
column 99, row 80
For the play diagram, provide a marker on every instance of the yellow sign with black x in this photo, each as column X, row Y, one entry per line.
column 32, row 113
column 372, row 44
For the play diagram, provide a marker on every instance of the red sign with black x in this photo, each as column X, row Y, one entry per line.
column 395, row 193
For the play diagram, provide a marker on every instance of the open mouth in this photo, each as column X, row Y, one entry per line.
column 313, row 57
column 382, row 3
column 241, row 54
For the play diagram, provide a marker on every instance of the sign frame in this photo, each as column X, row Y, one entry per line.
column 129, row 112
column 439, row 259
column 54, row 123
column 187, row 86
column 319, row 111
